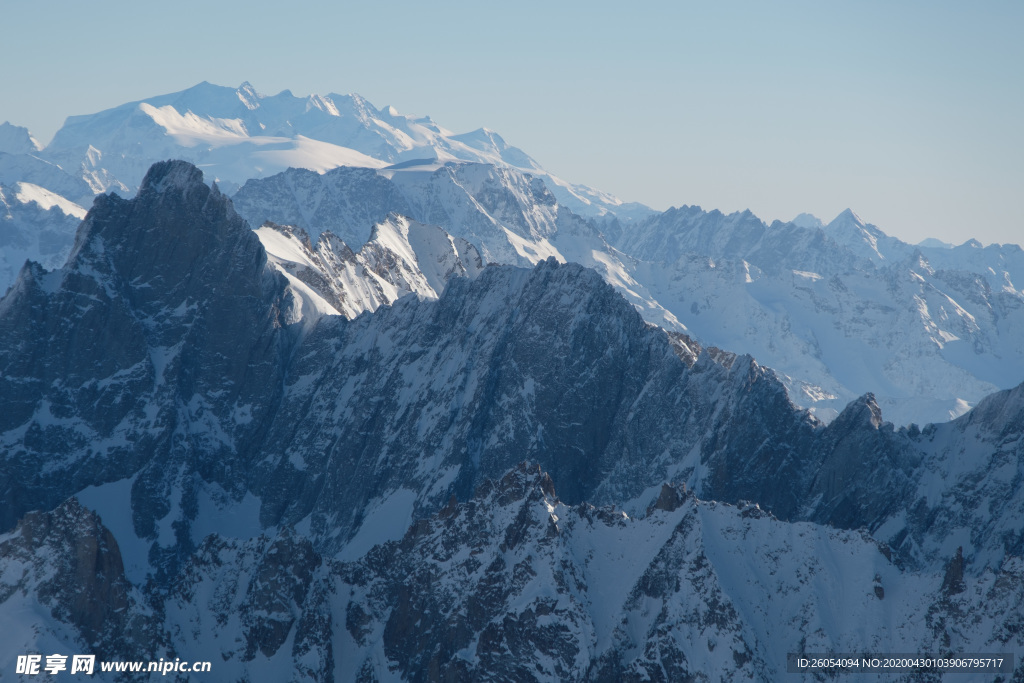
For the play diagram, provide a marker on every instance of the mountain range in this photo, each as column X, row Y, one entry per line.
column 836, row 310
column 341, row 395
column 295, row 494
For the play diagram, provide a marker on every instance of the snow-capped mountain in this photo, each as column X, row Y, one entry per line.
column 237, row 133
column 17, row 140
column 514, row 584
column 401, row 257
column 511, row 217
column 294, row 496
column 41, row 206
column 35, row 224
column 843, row 309
column 29, row 168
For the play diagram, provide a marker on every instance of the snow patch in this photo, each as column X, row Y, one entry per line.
column 386, row 519
column 27, row 193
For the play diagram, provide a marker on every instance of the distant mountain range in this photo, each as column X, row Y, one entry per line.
column 837, row 309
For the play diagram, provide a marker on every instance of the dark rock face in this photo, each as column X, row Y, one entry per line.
column 865, row 457
column 669, row 499
column 953, row 582
column 115, row 362
column 445, row 384
column 72, row 565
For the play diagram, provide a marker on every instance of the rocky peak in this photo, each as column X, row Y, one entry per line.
column 177, row 239
column 72, row 563
column 865, row 472
column 670, row 499
column 171, row 176
column 524, row 481
column 861, row 413
column 17, row 140
column 166, row 301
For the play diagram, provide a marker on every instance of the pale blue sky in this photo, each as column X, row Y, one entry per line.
column 911, row 113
